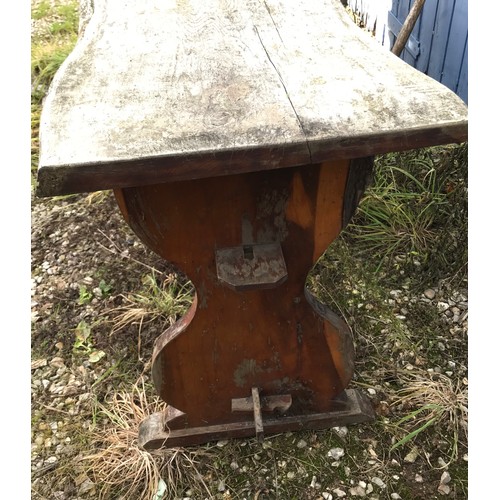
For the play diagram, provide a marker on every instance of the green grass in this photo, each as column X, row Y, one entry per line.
column 415, row 214
column 50, row 46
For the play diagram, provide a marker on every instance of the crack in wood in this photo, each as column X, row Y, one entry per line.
column 285, row 89
column 272, row 19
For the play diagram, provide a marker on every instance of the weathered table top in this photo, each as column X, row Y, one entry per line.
column 165, row 90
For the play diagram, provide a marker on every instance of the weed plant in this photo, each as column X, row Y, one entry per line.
column 415, row 213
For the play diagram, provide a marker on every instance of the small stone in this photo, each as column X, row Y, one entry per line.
column 290, row 475
column 395, row 496
column 341, row 431
column 357, row 491
column 69, row 390
column 221, row 486
column 371, row 391
column 327, row 496
column 430, row 293
column 378, row 482
column 301, row 444
column 57, row 362
column 362, row 484
column 340, row 493
column 443, row 306
column 445, row 477
column 234, row 466
column 221, row 443
column 412, row 455
column 369, row 488
column 444, row 489
column 38, row 363
column 441, row 462
column 419, row 478
column 336, row 453
column 314, row 482
column 85, row 487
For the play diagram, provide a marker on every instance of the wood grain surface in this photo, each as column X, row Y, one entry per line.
column 280, row 339
column 167, row 90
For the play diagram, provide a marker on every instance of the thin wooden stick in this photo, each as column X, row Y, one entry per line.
column 407, row 28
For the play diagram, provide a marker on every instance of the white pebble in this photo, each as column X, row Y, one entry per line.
column 419, row 478
column 443, row 306
column 378, row 482
column 336, row 453
column 327, row 496
column 301, row 444
column 395, row 496
column 340, row 493
column 445, row 477
column 357, row 491
column 341, row 431
column 444, row 489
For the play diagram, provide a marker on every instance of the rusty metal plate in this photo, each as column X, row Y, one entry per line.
column 251, row 267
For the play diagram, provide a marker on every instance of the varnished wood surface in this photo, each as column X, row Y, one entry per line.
column 168, row 90
column 354, row 408
column 280, row 340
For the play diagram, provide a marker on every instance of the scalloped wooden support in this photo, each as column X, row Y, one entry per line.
column 228, row 136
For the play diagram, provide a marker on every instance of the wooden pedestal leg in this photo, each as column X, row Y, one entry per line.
column 247, row 242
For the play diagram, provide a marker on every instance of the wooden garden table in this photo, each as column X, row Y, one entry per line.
column 238, row 137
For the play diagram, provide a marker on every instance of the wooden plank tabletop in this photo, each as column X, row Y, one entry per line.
column 168, row 90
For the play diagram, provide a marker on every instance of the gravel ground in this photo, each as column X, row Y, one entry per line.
column 84, row 260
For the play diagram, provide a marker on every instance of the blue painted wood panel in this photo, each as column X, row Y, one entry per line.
column 438, row 45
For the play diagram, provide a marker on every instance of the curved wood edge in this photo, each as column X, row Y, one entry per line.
column 338, row 337
column 60, row 180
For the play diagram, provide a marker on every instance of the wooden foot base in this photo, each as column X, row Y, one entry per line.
column 351, row 407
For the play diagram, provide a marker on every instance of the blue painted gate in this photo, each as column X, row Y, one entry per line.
column 438, row 44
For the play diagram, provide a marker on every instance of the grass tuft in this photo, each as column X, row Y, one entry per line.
column 439, row 400
column 402, row 217
column 160, row 298
column 120, row 467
